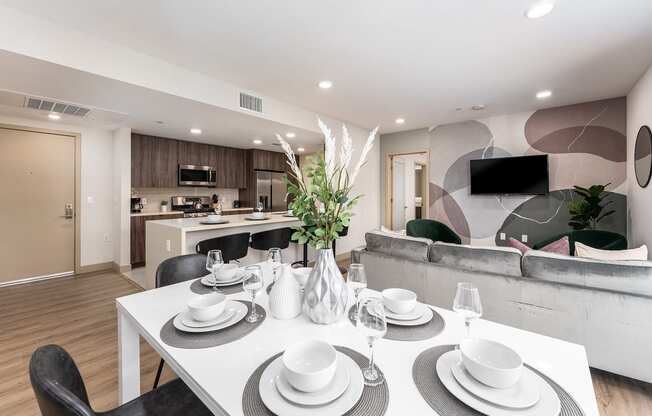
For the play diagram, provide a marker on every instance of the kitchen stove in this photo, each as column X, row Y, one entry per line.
column 192, row 206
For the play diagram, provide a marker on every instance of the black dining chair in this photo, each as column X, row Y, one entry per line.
column 233, row 247
column 264, row 240
column 176, row 270
column 60, row 391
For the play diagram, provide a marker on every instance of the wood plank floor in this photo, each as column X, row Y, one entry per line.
column 80, row 315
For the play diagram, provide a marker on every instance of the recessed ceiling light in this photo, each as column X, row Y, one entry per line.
column 54, row 116
column 258, row 141
column 195, row 131
column 325, row 84
column 399, row 121
column 544, row 94
column 290, row 135
column 301, row 149
column 539, row 9
column 478, row 107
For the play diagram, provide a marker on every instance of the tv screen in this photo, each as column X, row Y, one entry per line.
column 523, row 175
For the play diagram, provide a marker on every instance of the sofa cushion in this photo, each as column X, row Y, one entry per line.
column 505, row 261
column 633, row 277
column 582, row 250
column 413, row 248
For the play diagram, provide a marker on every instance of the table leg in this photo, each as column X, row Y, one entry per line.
column 128, row 359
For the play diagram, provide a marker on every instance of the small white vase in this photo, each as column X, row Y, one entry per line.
column 285, row 296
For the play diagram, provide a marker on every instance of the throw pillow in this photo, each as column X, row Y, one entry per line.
column 388, row 231
column 518, row 245
column 582, row 250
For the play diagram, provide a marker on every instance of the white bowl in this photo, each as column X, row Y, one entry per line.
column 213, row 217
column 206, row 307
column 289, row 212
column 491, row 363
column 301, row 275
column 226, row 272
column 399, row 301
column 310, row 365
column 257, row 214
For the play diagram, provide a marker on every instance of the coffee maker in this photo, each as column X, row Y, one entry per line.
column 136, row 205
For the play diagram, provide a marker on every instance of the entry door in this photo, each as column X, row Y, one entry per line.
column 398, row 199
column 37, row 184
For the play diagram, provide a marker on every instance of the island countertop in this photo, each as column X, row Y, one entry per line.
column 194, row 224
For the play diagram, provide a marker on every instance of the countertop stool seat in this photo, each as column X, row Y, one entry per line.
column 233, row 247
column 277, row 238
column 176, row 270
column 60, row 391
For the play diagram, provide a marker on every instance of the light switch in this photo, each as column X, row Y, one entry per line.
column 168, row 246
column 524, row 238
column 90, row 200
column 502, row 236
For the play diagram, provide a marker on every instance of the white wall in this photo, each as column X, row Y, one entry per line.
column 96, row 187
column 639, row 112
column 121, row 196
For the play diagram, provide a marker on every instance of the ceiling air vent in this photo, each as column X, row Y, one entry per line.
column 249, row 102
column 55, row 107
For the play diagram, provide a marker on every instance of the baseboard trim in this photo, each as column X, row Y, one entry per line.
column 36, row 279
column 120, row 269
column 93, row 268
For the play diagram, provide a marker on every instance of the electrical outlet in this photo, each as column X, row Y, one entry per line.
column 90, row 200
column 143, row 201
column 168, row 246
column 524, row 238
column 107, row 238
column 502, row 236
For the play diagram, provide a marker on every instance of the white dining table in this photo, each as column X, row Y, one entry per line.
column 218, row 375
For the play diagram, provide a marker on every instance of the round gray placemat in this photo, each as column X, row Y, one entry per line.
column 425, row 377
column 410, row 333
column 198, row 288
column 373, row 402
column 179, row 339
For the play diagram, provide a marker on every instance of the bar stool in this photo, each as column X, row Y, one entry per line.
column 343, row 233
column 233, row 246
column 265, row 240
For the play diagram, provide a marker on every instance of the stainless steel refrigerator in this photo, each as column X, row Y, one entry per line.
column 271, row 190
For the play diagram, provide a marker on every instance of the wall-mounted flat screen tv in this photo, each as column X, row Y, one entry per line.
column 522, row 175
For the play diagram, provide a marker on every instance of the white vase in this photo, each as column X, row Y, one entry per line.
column 325, row 295
column 285, row 296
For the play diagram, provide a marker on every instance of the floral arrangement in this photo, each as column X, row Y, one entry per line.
column 321, row 193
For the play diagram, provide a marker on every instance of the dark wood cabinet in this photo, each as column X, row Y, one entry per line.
column 266, row 160
column 235, row 167
column 191, row 153
column 137, row 236
column 153, row 162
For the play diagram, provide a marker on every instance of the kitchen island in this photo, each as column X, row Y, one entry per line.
column 174, row 237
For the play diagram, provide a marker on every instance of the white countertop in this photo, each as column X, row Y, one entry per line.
column 152, row 213
column 193, row 224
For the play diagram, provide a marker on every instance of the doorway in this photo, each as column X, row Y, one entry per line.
column 407, row 193
column 38, row 213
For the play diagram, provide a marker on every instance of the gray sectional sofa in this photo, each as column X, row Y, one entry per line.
column 605, row 306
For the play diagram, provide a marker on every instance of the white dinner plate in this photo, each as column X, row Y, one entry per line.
column 187, row 320
column 280, row 406
column 424, row 319
column 240, row 312
column 210, row 282
column 525, row 393
column 416, row 313
column 209, row 222
column 332, row 391
column 548, row 404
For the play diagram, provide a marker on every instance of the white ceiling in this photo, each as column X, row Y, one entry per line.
column 114, row 103
column 418, row 59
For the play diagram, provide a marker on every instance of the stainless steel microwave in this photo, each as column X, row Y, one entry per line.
column 193, row 175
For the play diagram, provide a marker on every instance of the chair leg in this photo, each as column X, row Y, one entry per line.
column 158, row 374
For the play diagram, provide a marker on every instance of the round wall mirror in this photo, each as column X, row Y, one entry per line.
column 643, row 156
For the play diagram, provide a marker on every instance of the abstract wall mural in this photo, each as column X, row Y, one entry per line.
column 586, row 144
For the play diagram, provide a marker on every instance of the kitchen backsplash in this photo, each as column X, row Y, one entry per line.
column 156, row 195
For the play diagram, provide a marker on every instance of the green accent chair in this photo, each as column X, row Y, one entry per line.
column 603, row 240
column 434, row 230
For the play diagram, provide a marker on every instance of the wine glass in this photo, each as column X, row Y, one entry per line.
column 356, row 279
column 214, row 261
column 253, row 285
column 467, row 304
column 274, row 256
column 259, row 206
column 371, row 323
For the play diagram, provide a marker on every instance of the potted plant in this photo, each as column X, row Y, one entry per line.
column 587, row 212
column 322, row 199
column 164, row 206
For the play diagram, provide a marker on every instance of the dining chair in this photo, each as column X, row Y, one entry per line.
column 60, row 391
column 175, row 270
column 233, row 247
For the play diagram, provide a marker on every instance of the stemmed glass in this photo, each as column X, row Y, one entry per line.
column 371, row 323
column 356, row 279
column 253, row 284
column 467, row 304
column 259, row 206
column 214, row 261
column 275, row 257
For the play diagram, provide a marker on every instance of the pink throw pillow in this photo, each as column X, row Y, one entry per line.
column 518, row 245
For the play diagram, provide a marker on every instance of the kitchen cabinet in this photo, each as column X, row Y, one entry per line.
column 191, row 153
column 153, row 162
column 137, row 236
column 266, row 160
column 236, row 167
